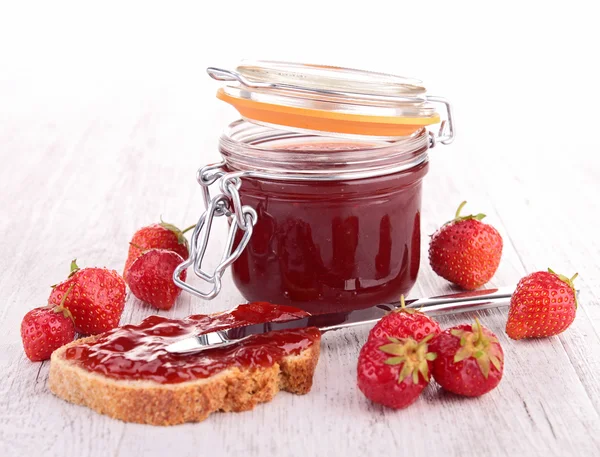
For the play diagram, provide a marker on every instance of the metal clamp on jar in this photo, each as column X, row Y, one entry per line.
column 321, row 182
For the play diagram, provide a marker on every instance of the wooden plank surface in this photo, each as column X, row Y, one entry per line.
column 79, row 185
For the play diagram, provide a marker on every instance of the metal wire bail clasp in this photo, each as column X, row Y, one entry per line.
column 447, row 130
column 227, row 203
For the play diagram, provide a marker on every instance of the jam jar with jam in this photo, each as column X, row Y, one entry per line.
column 321, row 181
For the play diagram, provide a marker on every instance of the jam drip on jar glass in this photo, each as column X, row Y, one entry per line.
column 137, row 352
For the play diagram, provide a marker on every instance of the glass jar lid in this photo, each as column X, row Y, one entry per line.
column 327, row 99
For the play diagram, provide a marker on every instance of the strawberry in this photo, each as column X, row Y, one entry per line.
column 543, row 304
column 96, row 301
column 45, row 329
column 150, row 277
column 465, row 251
column 469, row 360
column 394, row 371
column 405, row 322
column 157, row 236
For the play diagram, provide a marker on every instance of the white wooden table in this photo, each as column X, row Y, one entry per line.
column 80, row 187
column 85, row 162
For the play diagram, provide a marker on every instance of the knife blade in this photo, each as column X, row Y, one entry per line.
column 443, row 304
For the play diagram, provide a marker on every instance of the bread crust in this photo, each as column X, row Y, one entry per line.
column 149, row 402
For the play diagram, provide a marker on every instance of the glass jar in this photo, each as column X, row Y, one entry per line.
column 324, row 220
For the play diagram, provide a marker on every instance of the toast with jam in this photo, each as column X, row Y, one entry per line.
column 126, row 373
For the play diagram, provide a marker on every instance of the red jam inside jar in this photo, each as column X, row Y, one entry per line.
column 137, row 352
column 327, row 245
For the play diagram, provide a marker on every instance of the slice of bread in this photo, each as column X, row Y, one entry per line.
column 150, row 402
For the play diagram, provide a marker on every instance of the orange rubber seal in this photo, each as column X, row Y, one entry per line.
column 327, row 121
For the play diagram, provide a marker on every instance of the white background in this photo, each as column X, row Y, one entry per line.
column 523, row 74
column 106, row 112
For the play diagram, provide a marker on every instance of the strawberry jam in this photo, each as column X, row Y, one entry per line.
column 137, row 352
column 330, row 246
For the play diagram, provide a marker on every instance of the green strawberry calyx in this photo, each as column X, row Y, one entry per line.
column 569, row 282
column 414, row 355
column 73, row 268
column 459, row 218
column 403, row 308
column 483, row 348
column 181, row 239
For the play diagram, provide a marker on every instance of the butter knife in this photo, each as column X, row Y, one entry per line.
column 476, row 300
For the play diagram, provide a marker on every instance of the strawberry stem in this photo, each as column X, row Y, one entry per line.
column 73, row 268
column 403, row 308
column 479, row 330
column 187, row 229
column 60, row 307
column 137, row 246
column 460, row 207
column 62, row 302
column 459, row 218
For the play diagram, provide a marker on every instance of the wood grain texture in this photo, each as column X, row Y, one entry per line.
column 78, row 183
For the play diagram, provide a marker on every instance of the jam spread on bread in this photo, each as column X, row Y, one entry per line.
column 137, row 352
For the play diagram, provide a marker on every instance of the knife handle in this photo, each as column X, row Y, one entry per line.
column 461, row 302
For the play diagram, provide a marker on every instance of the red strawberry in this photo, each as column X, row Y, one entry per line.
column 96, row 301
column 394, row 371
column 157, row 236
column 150, row 277
column 403, row 323
column 469, row 360
column 543, row 304
column 465, row 251
column 45, row 329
